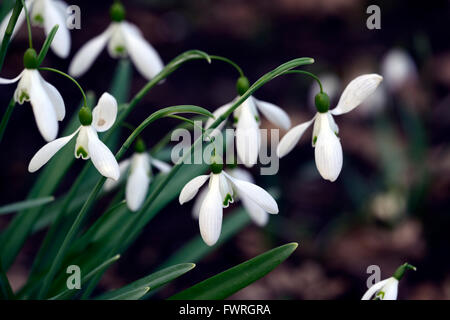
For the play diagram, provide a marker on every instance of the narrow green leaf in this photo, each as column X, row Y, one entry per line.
column 46, row 45
column 224, row 284
column 101, row 268
column 6, row 292
column 26, row 204
column 154, row 280
column 132, row 295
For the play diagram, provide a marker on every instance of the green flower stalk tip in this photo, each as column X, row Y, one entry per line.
column 400, row 272
column 322, row 102
column 139, row 146
column 85, row 116
column 216, row 164
column 117, row 12
column 242, row 85
column 30, row 60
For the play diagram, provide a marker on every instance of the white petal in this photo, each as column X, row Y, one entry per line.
column 254, row 193
column 19, row 22
column 102, row 157
column 248, row 139
column 82, row 144
column 56, row 99
column 397, row 68
column 373, row 289
column 143, row 55
column 54, row 16
column 105, row 113
column 138, row 182
column 191, row 188
column 198, row 203
column 43, row 110
column 110, row 183
column 257, row 214
column 328, row 151
column 241, row 174
column 48, row 151
column 160, row 165
column 226, row 191
column 356, row 92
column 210, row 219
column 391, row 289
column 291, row 138
column 86, row 56
column 8, row 81
column 274, row 114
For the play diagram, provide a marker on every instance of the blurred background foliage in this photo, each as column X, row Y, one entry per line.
column 391, row 202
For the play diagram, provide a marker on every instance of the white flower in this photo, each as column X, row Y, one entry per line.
column 139, row 168
column 328, row 150
column 88, row 145
column 383, row 290
column 46, row 101
column 219, row 196
column 257, row 214
column 248, row 139
column 397, row 68
column 46, row 14
column 122, row 38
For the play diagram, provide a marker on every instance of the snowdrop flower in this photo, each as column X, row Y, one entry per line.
column 397, row 68
column 123, row 39
column 388, row 288
column 46, row 101
column 219, row 195
column 257, row 214
column 46, row 14
column 247, row 122
column 331, row 85
column 328, row 150
column 139, row 168
column 88, row 145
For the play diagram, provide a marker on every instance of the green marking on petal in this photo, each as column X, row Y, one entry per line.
column 228, row 199
column 257, row 118
column 39, row 19
column 235, row 119
column 120, row 50
column 314, row 139
column 380, row 295
column 23, row 97
column 81, row 152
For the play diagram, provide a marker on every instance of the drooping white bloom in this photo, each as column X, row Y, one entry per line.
column 139, row 169
column 328, row 149
column 383, row 290
column 123, row 39
column 397, row 68
column 88, row 145
column 218, row 196
column 257, row 214
column 46, row 14
column 46, row 101
column 247, row 122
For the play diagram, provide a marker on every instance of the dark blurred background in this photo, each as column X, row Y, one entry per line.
column 389, row 205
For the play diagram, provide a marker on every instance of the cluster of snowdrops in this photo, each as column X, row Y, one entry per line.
column 225, row 183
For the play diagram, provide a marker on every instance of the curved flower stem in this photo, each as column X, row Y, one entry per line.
column 308, row 74
column 6, row 117
column 30, row 36
column 70, row 78
column 234, row 64
column 9, row 31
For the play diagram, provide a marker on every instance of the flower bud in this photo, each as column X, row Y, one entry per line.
column 242, row 85
column 85, row 116
column 216, row 164
column 322, row 102
column 30, row 59
column 117, row 12
column 139, row 146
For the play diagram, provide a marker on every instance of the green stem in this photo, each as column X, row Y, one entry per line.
column 308, row 74
column 234, row 64
column 6, row 117
column 9, row 31
column 70, row 78
column 30, row 36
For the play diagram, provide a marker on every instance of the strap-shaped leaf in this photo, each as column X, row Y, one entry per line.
column 154, row 280
column 132, row 295
column 13, row 207
column 46, row 45
column 225, row 284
